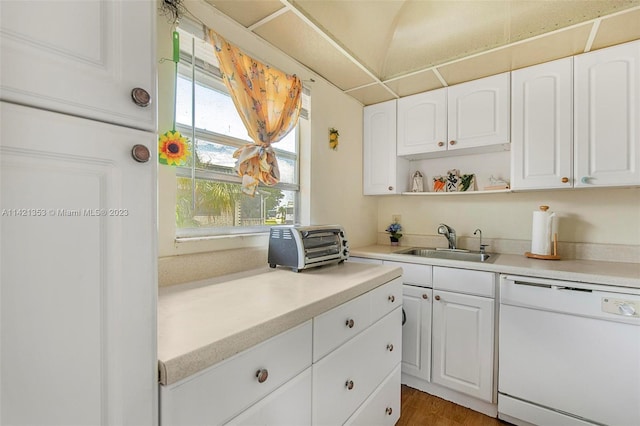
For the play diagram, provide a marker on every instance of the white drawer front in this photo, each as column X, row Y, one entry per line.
column 365, row 360
column 385, row 299
column 479, row 283
column 289, row 405
column 340, row 324
column 226, row 389
column 413, row 273
column 383, row 406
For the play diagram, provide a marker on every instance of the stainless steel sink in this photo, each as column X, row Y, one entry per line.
column 451, row 254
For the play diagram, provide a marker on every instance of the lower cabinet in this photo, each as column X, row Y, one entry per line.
column 416, row 331
column 344, row 365
column 463, row 343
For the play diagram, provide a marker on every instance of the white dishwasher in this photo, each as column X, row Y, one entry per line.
column 569, row 353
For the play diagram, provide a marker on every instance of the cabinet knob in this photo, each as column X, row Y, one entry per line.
column 350, row 323
column 425, row 296
column 391, row 298
column 585, row 179
column 565, row 179
column 262, row 375
column 389, row 411
column 349, row 384
column 390, row 347
column 437, row 297
column 440, row 143
column 452, row 142
column 140, row 153
column 140, row 97
column 391, row 188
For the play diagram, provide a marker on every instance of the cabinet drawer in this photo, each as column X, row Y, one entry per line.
column 413, row 273
column 480, row 283
column 385, row 298
column 340, row 324
column 226, row 389
column 288, row 405
column 383, row 406
column 365, row 361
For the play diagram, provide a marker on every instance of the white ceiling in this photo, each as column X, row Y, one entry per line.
column 376, row 50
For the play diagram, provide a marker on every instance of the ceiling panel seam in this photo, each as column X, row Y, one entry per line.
column 336, row 45
column 267, row 18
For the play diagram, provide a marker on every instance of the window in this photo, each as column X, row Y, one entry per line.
column 209, row 197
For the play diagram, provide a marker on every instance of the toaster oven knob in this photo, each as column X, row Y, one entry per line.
column 345, row 252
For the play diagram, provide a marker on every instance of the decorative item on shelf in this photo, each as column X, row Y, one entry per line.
column 417, row 184
column 496, row 184
column 439, row 184
column 467, row 183
column 453, row 180
column 394, row 233
column 544, row 235
column 333, row 139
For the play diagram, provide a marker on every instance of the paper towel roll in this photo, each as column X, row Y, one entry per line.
column 544, row 225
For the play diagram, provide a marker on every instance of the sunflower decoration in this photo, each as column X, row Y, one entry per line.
column 333, row 139
column 173, row 148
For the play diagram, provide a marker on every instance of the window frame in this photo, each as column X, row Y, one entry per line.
column 209, row 75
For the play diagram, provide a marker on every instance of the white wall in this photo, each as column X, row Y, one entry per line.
column 331, row 181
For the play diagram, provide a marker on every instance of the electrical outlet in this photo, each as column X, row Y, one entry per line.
column 396, row 218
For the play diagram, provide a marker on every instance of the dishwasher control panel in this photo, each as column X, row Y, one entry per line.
column 628, row 308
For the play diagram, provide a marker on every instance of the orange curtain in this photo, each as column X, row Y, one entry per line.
column 268, row 102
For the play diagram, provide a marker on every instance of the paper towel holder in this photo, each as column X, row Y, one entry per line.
column 553, row 256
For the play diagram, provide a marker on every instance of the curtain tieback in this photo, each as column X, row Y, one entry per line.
column 256, row 163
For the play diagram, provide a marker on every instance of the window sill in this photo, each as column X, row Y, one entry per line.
column 189, row 245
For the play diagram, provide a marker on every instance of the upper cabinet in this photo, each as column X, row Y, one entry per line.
column 451, row 120
column 541, row 120
column 607, row 117
column 422, row 123
column 384, row 171
column 478, row 112
column 100, row 67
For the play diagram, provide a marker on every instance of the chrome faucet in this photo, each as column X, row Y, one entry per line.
column 482, row 246
column 449, row 233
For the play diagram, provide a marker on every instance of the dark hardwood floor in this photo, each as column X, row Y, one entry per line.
column 421, row 409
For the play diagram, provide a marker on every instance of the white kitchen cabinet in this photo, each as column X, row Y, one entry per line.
column 542, row 126
column 225, row 390
column 87, row 67
column 346, row 377
column 422, row 123
column 382, row 408
column 463, row 331
column 384, row 172
column 607, row 117
column 479, row 112
column 416, row 331
column 78, row 266
column 289, row 405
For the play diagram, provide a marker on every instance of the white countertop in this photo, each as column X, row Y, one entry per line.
column 205, row 322
column 597, row 272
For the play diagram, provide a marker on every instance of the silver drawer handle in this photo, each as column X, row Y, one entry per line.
column 349, row 384
column 389, row 410
column 390, row 347
column 391, row 298
column 350, row 323
column 262, row 375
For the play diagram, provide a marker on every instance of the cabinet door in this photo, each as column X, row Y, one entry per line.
column 463, row 333
column 384, row 173
column 542, row 126
column 416, row 331
column 78, row 264
column 478, row 112
column 82, row 58
column 422, row 123
column 607, row 117
column 290, row 405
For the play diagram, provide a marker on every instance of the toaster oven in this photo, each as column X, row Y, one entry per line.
column 302, row 247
